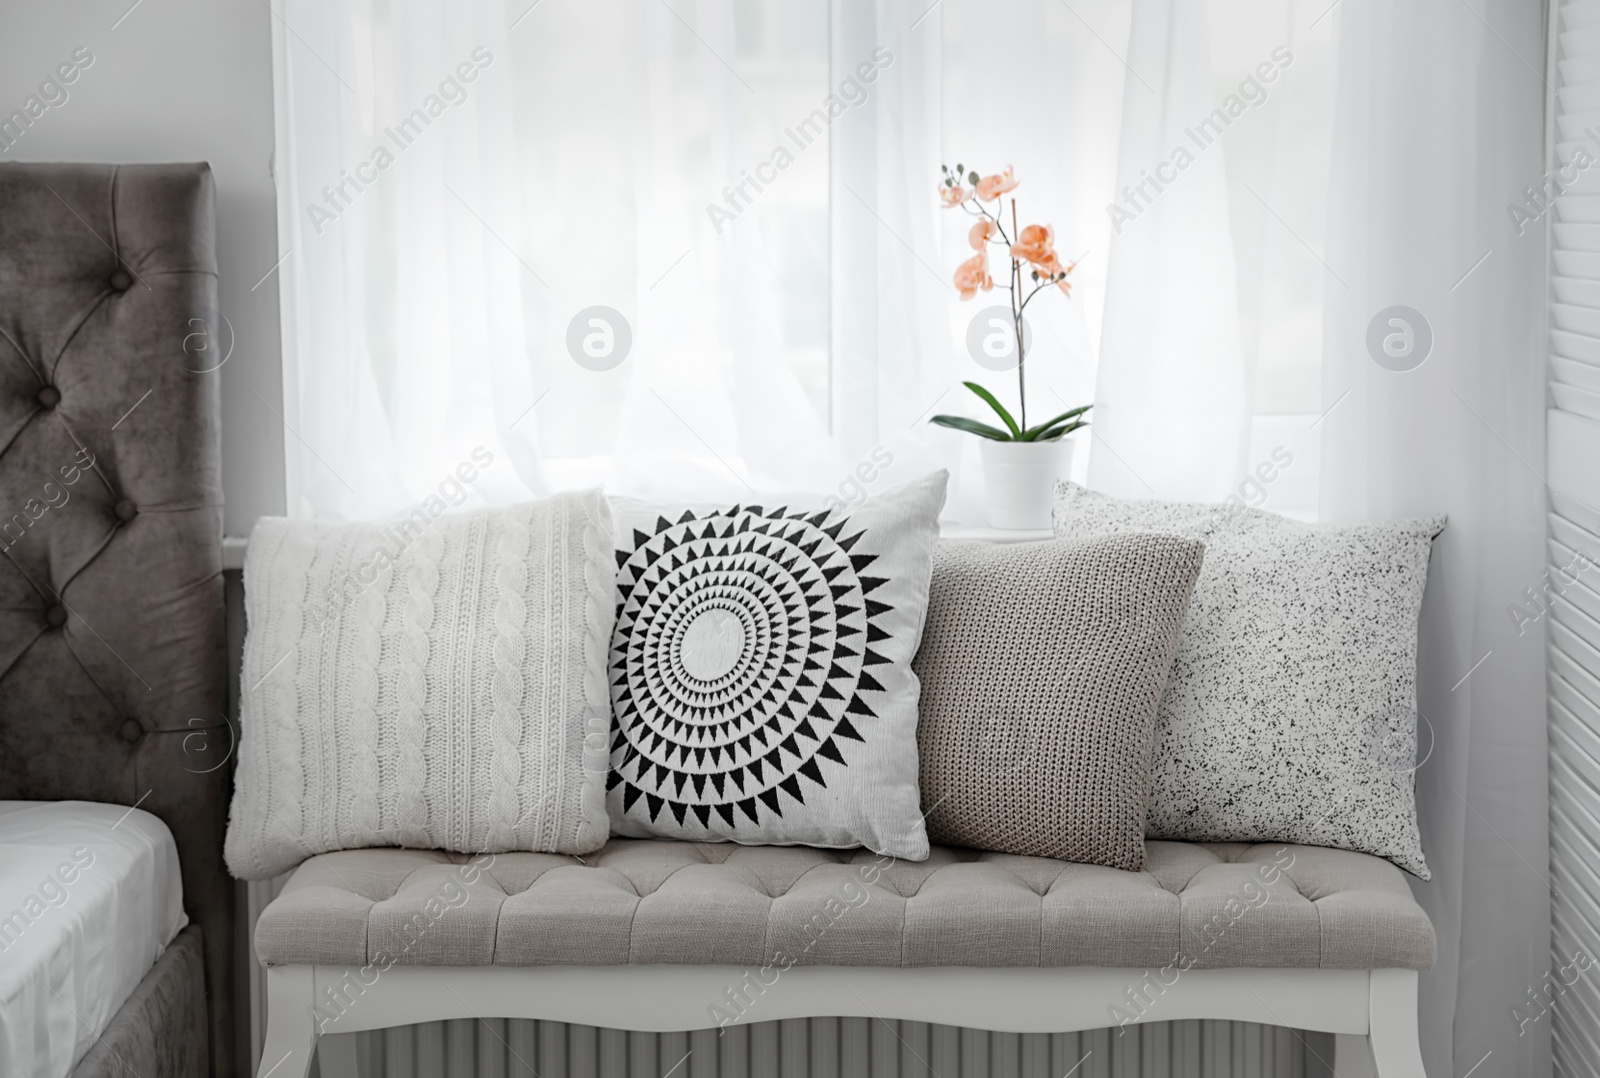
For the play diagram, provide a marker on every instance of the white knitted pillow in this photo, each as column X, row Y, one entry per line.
column 761, row 671
column 428, row 683
column 1291, row 711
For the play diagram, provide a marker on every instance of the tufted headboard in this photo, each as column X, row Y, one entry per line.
column 113, row 677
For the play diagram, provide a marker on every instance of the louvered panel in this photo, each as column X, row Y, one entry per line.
column 1566, row 945
column 1578, row 1003
column 1577, row 804
column 1570, row 127
column 1577, row 237
column 1577, row 371
column 1581, row 43
column 1570, row 923
column 1576, row 888
column 1580, row 13
column 1580, row 591
column 1573, row 648
column 1581, row 1001
column 1575, row 181
column 1578, row 319
column 1571, row 589
column 1571, row 687
column 1584, row 772
column 1575, row 620
column 1571, row 289
column 1574, row 533
column 1579, row 263
column 1575, row 346
column 1580, row 96
column 1585, row 744
column 1578, row 209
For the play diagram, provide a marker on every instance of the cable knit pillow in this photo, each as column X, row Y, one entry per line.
column 761, row 671
column 1290, row 714
column 428, row 683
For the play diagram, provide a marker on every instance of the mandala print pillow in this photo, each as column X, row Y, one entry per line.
column 1291, row 710
column 761, row 678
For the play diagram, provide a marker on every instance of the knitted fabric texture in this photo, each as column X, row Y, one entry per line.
column 1291, row 713
column 428, row 683
column 1041, row 666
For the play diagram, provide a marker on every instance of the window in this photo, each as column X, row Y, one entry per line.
column 692, row 249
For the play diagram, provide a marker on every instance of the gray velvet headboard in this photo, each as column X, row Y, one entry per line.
column 112, row 653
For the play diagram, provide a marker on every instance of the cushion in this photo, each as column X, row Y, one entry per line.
column 656, row 902
column 1041, row 668
column 1290, row 713
column 761, row 674
column 427, row 683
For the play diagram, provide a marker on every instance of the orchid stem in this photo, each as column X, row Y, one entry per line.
column 1016, row 317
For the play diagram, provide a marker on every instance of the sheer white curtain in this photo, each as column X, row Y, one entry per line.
column 1439, row 127
column 403, row 316
column 746, row 190
column 437, row 305
column 1171, row 369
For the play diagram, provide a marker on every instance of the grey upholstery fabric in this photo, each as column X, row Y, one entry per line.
column 161, row 1029
column 1041, row 668
column 112, row 656
column 642, row 901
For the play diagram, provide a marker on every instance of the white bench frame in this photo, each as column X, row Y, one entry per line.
column 1372, row 1013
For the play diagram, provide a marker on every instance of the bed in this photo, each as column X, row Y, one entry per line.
column 113, row 678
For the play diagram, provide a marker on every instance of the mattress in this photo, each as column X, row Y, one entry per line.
column 90, row 896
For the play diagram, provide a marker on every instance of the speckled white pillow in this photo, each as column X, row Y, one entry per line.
column 1290, row 713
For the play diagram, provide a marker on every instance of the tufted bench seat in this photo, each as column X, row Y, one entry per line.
column 652, row 902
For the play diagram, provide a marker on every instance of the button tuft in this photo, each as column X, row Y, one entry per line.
column 48, row 396
column 120, row 280
column 131, row 731
column 126, row 510
column 56, row 616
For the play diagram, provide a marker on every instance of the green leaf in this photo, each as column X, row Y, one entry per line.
column 971, row 426
column 1042, row 432
column 1051, row 434
column 989, row 399
column 972, row 178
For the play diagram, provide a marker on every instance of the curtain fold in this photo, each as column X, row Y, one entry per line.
column 1438, row 127
column 1171, row 417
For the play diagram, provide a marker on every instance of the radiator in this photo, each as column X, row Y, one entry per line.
column 839, row 1048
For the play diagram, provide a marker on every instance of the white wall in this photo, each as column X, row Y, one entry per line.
column 178, row 80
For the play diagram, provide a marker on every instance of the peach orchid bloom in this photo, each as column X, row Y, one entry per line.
column 992, row 187
column 973, row 274
column 953, row 196
column 1057, row 269
column 1036, row 244
column 982, row 233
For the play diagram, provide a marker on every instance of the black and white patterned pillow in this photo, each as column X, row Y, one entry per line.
column 761, row 678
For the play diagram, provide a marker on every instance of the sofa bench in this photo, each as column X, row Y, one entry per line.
column 657, row 935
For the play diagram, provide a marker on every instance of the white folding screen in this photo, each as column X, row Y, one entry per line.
column 1567, row 601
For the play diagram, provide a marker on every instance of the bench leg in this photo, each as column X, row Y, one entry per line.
column 1396, row 1046
column 291, row 1038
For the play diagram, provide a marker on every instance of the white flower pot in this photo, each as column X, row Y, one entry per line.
column 1020, row 478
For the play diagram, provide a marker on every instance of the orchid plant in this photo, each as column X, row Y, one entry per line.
column 1032, row 247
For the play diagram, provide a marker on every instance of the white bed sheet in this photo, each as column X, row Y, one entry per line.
column 90, row 896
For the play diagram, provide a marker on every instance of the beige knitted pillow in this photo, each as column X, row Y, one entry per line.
column 1041, row 668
